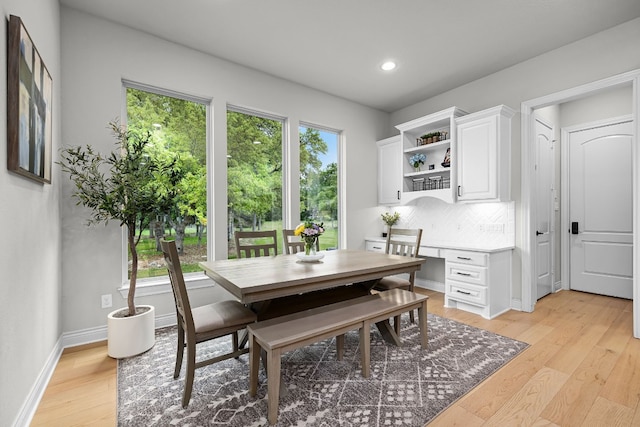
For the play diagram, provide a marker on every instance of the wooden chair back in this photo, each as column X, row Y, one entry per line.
column 183, row 306
column 245, row 243
column 404, row 241
column 292, row 243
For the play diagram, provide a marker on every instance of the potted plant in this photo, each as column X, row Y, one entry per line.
column 132, row 187
column 390, row 219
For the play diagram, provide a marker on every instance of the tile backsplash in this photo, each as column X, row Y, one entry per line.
column 468, row 224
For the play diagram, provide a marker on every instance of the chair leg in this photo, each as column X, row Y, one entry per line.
column 339, row 346
column 179, row 352
column 411, row 317
column 191, row 368
column 396, row 325
column 234, row 339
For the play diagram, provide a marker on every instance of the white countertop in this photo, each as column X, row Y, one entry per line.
column 452, row 245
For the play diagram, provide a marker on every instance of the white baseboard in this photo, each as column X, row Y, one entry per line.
column 30, row 405
column 68, row 339
column 430, row 284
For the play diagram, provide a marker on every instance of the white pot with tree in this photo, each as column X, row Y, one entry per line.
column 132, row 187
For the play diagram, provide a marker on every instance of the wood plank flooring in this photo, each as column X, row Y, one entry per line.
column 582, row 369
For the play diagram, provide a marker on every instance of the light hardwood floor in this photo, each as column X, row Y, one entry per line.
column 582, row 369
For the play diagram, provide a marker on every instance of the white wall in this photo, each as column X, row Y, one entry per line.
column 96, row 56
column 605, row 54
column 30, row 312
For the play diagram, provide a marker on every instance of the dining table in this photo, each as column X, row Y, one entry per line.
column 277, row 285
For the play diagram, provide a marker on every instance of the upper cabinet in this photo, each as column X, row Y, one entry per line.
column 484, row 155
column 450, row 155
column 427, row 155
column 389, row 171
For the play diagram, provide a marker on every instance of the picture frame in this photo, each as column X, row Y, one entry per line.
column 29, row 105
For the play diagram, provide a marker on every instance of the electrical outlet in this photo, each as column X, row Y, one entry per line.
column 106, row 301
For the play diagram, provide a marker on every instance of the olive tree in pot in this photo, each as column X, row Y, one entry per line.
column 131, row 186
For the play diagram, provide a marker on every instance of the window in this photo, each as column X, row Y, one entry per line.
column 254, row 174
column 178, row 130
column 319, row 181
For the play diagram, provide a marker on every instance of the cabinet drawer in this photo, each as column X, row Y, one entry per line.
column 375, row 246
column 466, row 273
column 466, row 292
column 463, row 257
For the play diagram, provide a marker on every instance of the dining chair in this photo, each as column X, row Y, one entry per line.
column 200, row 324
column 405, row 242
column 294, row 244
column 246, row 243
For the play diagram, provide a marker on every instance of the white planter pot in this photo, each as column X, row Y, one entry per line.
column 129, row 336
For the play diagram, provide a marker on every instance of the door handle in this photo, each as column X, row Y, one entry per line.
column 538, row 233
column 574, row 228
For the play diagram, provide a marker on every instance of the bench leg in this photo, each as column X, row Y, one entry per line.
column 254, row 363
column 339, row 346
column 422, row 319
column 273, row 385
column 365, row 348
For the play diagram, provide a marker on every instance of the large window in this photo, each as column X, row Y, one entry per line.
column 319, row 181
column 178, row 130
column 254, row 174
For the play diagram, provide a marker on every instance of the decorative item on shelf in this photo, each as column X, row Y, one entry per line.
column 418, row 184
column 390, row 219
column 309, row 232
column 432, row 167
column 447, row 159
column 416, row 160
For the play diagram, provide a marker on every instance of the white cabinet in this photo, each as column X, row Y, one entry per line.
column 434, row 177
column 478, row 282
column 389, row 171
column 483, row 155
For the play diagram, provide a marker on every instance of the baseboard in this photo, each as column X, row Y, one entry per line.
column 30, row 405
column 99, row 333
column 516, row 304
column 66, row 340
column 430, row 284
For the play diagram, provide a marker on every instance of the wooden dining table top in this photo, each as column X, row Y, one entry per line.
column 266, row 278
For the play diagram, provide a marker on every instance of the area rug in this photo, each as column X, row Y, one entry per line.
column 408, row 386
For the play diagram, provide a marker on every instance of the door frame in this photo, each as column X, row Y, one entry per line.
column 528, row 181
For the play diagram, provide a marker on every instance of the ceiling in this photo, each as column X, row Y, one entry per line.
column 337, row 46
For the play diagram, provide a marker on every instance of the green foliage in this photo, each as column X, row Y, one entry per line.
column 129, row 185
column 390, row 218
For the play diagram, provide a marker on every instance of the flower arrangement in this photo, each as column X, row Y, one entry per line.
column 391, row 218
column 417, row 159
column 309, row 231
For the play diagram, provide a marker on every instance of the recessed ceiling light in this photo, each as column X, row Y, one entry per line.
column 388, row 66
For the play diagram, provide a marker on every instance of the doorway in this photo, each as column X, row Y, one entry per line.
column 528, row 187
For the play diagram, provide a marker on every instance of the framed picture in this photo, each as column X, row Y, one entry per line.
column 29, row 90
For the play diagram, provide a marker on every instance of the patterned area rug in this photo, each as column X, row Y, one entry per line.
column 407, row 387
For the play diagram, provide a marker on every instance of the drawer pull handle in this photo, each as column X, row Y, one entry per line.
column 463, row 274
column 464, row 258
column 463, row 292
column 377, row 247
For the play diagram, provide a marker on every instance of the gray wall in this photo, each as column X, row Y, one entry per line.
column 30, row 256
column 602, row 55
column 96, row 56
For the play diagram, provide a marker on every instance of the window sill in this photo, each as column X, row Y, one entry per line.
column 162, row 285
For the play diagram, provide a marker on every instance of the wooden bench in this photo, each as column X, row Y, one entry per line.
column 281, row 334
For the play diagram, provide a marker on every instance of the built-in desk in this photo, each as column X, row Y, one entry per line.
column 477, row 279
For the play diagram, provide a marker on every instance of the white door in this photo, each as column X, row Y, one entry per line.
column 600, row 179
column 545, row 172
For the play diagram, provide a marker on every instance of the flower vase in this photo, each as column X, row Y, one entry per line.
column 310, row 248
column 416, row 168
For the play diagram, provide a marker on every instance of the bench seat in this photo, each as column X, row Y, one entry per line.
column 278, row 335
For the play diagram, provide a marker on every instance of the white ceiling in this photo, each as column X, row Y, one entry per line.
column 336, row 46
